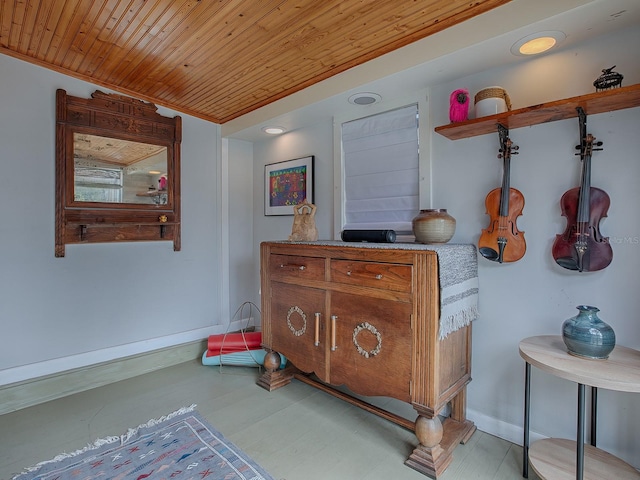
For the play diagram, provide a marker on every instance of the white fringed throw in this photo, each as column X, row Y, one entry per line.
column 458, row 274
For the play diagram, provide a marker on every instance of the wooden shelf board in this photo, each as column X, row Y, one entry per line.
column 555, row 459
column 152, row 193
column 121, row 225
column 594, row 103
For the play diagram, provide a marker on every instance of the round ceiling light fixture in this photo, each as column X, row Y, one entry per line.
column 537, row 43
column 364, row 98
column 273, row 130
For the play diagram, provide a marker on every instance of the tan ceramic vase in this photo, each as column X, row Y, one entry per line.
column 434, row 225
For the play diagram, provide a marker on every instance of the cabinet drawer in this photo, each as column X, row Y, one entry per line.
column 296, row 267
column 386, row 276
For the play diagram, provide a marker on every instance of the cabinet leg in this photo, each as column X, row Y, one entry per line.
column 439, row 439
column 459, row 414
column 429, row 431
column 273, row 378
column 429, row 457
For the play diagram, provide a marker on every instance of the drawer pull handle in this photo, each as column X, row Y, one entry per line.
column 316, row 341
column 334, row 347
column 299, row 267
column 378, row 277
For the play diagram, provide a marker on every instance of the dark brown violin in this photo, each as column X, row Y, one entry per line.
column 501, row 241
column 582, row 247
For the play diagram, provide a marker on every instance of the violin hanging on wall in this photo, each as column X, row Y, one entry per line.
column 582, row 247
column 501, row 241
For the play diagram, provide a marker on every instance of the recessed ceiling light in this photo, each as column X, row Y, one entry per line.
column 364, row 98
column 273, row 130
column 537, row 43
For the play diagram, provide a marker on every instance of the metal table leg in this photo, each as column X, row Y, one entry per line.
column 527, row 407
column 580, row 434
column 594, row 414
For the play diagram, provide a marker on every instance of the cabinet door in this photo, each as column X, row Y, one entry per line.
column 373, row 345
column 294, row 310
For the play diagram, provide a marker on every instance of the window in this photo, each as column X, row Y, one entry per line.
column 381, row 180
column 95, row 184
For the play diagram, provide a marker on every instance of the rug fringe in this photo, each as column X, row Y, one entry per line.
column 133, row 431
column 107, row 440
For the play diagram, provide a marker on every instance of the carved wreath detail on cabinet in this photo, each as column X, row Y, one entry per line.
column 373, row 330
column 298, row 310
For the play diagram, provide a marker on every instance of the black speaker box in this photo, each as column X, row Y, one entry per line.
column 375, row 236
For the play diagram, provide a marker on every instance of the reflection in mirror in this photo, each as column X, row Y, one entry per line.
column 111, row 170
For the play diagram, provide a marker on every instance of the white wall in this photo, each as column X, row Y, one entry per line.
column 241, row 203
column 316, row 141
column 100, row 301
column 532, row 296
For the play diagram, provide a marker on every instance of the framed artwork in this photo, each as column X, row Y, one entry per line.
column 287, row 184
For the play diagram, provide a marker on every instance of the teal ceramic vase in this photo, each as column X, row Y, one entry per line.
column 586, row 335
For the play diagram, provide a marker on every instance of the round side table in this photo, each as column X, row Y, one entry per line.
column 554, row 458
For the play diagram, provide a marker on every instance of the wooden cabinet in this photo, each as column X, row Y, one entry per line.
column 366, row 317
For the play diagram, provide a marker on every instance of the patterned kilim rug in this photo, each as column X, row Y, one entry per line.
column 178, row 446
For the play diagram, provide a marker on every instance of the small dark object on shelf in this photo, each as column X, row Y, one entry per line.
column 374, row 236
column 608, row 79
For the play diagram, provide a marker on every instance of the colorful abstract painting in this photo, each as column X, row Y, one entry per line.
column 288, row 184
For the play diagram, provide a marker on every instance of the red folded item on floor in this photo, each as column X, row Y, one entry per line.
column 233, row 342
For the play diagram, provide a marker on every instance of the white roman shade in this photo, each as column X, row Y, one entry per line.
column 381, row 184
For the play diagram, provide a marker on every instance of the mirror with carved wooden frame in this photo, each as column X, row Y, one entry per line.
column 117, row 171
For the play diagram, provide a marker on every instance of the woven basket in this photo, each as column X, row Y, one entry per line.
column 492, row 98
column 493, row 92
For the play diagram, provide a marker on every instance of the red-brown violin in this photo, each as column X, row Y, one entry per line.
column 501, row 241
column 582, row 247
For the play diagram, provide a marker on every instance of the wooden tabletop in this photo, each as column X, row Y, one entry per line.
column 621, row 371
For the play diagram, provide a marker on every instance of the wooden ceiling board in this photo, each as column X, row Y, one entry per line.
column 217, row 59
column 112, row 151
column 197, row 59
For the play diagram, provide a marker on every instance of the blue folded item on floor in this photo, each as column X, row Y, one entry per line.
column 247, row 358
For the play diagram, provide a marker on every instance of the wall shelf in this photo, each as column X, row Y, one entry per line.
column 599, row 102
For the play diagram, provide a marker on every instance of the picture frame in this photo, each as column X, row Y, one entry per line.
column 287, row 184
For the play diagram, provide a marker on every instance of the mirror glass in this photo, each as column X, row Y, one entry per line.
column 110, row 170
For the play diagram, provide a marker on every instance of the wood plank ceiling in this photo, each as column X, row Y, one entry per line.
column 217, row 59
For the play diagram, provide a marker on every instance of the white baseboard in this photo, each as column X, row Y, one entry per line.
column 31, row 392
column 513, row 433
column 40, row 382
column 57, row 365
column 499, row 428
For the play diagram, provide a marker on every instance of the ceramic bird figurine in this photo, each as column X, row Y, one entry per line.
column 459, row 105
